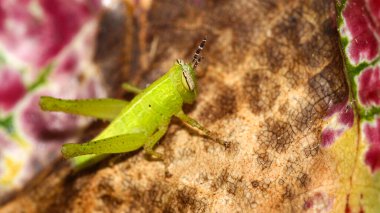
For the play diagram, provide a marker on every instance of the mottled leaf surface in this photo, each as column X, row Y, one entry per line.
column 272, row 79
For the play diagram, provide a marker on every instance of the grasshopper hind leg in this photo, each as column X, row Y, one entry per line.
column 103, row 108
column 115, row 144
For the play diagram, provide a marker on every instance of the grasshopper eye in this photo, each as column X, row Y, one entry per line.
column 187, row 80
column 180, row 62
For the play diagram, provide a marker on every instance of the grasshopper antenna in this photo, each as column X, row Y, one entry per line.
column 197, row 58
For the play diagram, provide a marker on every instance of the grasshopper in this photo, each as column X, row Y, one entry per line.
column 139, row 123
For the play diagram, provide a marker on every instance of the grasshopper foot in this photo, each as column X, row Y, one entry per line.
column 153, row 154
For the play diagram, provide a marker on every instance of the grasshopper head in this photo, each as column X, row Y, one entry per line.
column 188, row 78
column 188, row 86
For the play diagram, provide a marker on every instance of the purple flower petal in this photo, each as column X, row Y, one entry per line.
column 36, row 37
column 346, row 116
column 318, row 202
column 364, row 43
column 336, row 108
column 369, row 86
column 11, row 88
column 341, row 118
column 372, row 134
column 328, row 137
column 374, row 11
column 45, row 127
column 68, row 65
column 37, row 31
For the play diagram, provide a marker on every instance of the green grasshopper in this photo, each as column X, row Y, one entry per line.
column 139, row 123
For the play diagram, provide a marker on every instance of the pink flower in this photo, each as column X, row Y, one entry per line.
column 369, row 86
column 11, row 88
column 45, row 127
column 372, row 133
column 342, row 118
column 36, row 31
column 364, row 33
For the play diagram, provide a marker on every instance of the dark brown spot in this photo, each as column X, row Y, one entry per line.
column 233, row 185
column 312, row 150
column 288, row 193
column 168, row 174
column 303, row 179
column 315, row 46
column 186, row 200
column 274, row 55
column 294, row 76
column 255, row 183
column 260, row 92
column 224, row 104
column 289, row 27
column 277, row 135
column 220, row 180
column 264, row 161
column 329, row 87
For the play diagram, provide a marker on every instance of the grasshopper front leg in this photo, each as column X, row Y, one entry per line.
column 193, row 123
column 148, row 147
column 130, row 88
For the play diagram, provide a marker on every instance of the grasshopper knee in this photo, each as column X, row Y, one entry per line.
column 70, row 150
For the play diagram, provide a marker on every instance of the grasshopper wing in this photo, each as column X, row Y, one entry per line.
column 116, row 144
